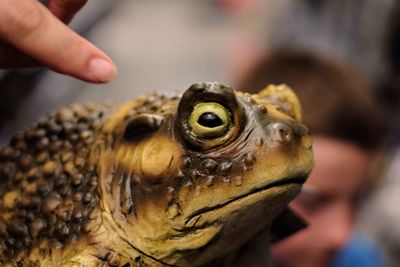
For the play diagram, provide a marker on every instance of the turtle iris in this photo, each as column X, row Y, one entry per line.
column 209, row 120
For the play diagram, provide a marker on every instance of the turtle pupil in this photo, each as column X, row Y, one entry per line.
column 209, row 119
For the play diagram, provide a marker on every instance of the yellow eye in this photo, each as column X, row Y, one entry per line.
column 209, row 120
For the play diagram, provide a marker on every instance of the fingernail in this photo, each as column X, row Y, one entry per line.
column 102, row 70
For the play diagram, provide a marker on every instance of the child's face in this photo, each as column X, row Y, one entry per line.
column 327, row 203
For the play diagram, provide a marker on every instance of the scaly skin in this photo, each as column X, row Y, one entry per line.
column 155, row 182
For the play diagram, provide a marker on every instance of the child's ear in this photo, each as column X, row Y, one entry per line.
column 283, row 98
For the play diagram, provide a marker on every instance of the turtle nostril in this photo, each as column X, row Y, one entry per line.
column 279, row 132
column 297, row 129
column 285, row 133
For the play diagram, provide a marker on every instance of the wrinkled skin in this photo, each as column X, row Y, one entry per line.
column 161, row 181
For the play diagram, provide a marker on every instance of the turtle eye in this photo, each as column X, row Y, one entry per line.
column 210, row 120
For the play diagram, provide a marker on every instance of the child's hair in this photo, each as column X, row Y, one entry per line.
column 336, row 101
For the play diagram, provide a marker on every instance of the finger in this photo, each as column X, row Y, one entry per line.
column 32, row 29
column 65, row 9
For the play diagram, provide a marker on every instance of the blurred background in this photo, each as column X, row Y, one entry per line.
column 159, row 46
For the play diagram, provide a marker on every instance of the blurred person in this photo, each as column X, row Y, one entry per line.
column 33, row 34
column 348, row 131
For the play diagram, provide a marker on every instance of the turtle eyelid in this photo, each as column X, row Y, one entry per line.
column 141, row 126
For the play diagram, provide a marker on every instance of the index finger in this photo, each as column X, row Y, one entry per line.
column 31, row 28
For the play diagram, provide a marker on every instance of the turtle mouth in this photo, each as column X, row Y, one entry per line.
column 293, row 180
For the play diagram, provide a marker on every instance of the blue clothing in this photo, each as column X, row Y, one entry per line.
column 359, row 252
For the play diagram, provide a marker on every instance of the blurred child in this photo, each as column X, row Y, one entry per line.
column 348, row 131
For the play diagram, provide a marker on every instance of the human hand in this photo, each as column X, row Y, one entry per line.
column 33, row 35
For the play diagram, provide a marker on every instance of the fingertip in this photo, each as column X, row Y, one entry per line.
column 101, row 70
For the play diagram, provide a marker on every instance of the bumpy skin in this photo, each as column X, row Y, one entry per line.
column 145, row 184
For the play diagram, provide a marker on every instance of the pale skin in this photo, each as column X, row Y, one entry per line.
column 32, row 34
column 327, row 203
